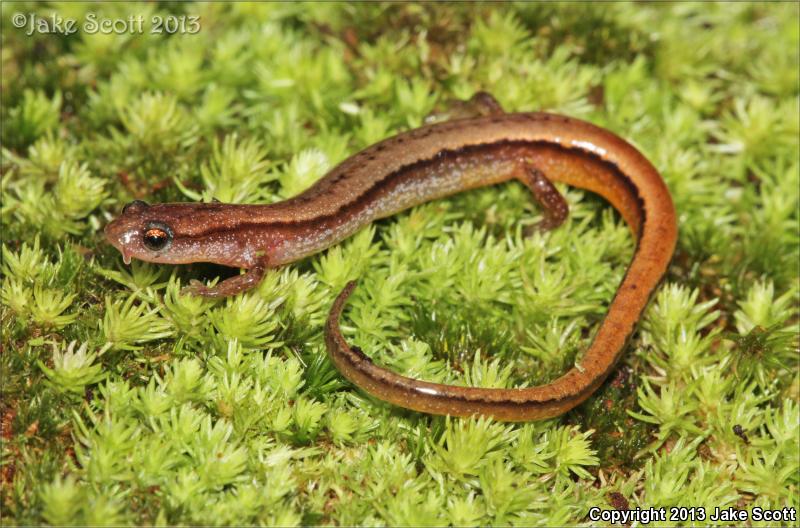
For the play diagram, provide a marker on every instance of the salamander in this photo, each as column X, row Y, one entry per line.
column 428, row 163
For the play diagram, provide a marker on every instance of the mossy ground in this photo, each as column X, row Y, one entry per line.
column 123, row 402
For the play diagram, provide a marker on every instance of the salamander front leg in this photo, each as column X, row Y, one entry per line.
column 480, row 104
column 228, row 287
column 553, row 203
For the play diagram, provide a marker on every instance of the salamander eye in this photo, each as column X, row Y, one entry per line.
column 157, row 237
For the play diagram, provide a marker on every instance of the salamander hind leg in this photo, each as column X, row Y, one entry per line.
column 479, row 105
column 228, row 287
column 553, row 202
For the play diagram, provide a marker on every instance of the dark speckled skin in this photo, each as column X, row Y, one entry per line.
column 421, row 165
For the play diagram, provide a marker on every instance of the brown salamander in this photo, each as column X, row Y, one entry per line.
column 408, row 169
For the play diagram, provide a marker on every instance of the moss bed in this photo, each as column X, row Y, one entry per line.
column 123, row 402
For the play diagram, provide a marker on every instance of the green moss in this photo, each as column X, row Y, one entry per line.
column 123, row 402
column 618, row 438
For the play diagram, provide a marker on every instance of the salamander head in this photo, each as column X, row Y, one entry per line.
column 176, row 233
